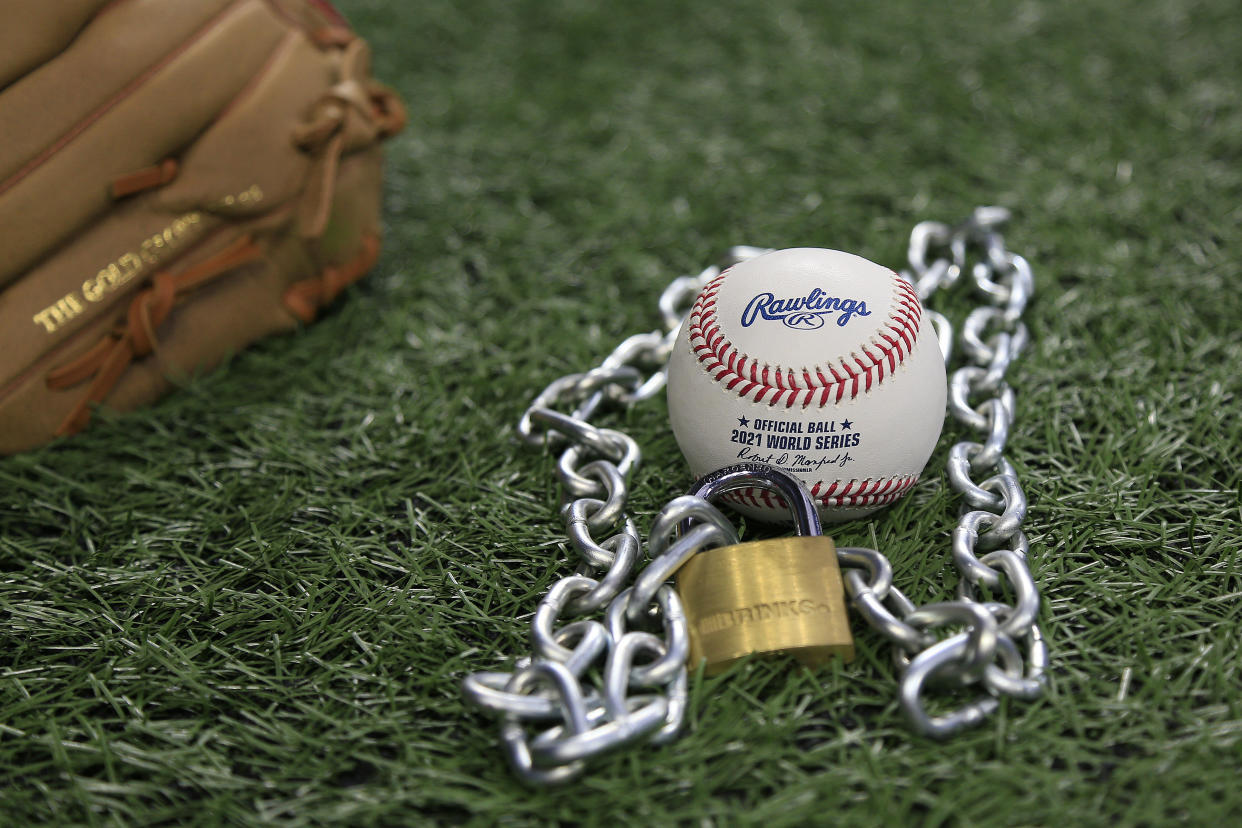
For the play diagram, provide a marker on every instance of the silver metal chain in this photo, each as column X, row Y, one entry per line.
column 609, row 661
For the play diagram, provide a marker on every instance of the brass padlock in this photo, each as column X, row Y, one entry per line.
column 773, row 596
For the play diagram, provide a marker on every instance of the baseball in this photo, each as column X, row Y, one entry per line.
column 815, row 361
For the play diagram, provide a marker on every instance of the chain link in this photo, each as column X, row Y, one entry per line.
column 594, row 685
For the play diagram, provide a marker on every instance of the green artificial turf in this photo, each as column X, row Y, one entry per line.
column 254, row 602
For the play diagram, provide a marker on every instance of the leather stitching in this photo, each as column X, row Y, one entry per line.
column 837, row 494
column 821, row 385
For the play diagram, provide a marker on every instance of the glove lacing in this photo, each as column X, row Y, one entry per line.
column 350, row 115
column 135, row 337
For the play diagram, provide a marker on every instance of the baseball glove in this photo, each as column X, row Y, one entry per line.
column 177, row 180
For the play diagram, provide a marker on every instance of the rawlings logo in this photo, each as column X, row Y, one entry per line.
column 802, row 312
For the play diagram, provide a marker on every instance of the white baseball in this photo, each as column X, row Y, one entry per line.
column 818, row 362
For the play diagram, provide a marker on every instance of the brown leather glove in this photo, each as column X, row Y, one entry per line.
column 177, row 180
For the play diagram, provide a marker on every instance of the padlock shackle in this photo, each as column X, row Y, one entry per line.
column 762, row 476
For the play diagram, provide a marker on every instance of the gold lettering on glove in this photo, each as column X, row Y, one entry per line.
column 239, row 204
column 127, row 267
column 53, row 316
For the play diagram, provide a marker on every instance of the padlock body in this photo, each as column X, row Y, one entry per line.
column 774, row 596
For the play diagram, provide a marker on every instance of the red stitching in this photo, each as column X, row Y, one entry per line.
column 740, row 372
column 870, row 492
